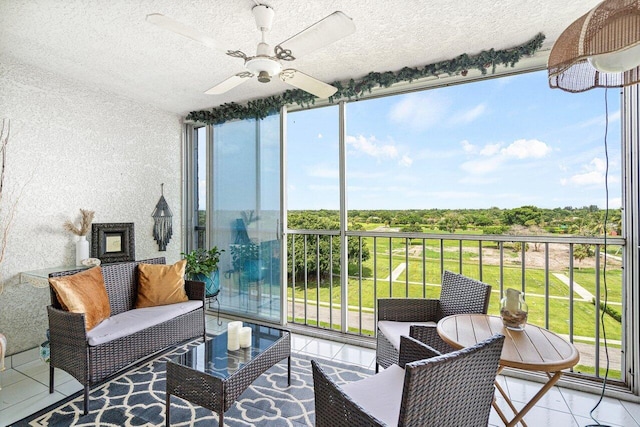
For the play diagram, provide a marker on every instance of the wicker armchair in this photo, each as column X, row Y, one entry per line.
column 417, row 317
column 455, row 389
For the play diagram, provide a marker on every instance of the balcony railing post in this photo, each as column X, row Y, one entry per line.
column 344, row 221
column 597, row 310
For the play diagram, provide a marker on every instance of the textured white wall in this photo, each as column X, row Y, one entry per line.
column 75, row 147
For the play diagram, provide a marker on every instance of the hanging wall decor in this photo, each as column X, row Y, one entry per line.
column 162, row 218
column 113, row 242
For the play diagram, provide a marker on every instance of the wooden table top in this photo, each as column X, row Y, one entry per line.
column 533, row 349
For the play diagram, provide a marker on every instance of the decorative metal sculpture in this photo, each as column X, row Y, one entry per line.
column 162, row 216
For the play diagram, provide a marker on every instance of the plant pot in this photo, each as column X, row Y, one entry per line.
column 211, row 282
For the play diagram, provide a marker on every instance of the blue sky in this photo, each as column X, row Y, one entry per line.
column 504, row 142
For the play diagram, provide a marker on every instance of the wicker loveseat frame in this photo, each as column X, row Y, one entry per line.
column 71, row 352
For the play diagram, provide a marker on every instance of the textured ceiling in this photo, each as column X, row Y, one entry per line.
column 109, row 45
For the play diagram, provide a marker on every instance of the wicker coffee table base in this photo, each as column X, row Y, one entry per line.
column 218, row 394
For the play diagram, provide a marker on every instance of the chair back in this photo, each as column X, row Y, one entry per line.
column 461, row 294
column 455, row 389
column 333, row 407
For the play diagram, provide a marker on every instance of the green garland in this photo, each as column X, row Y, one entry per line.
column 354, row 89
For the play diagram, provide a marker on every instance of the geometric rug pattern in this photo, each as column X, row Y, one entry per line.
column 137, row 398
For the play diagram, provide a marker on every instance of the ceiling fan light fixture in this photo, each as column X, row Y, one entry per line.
column 263, row 66
column 264, row 77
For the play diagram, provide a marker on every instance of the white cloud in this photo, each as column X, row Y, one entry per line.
column 593, row 174
column 319, row 136
column 372, row 147
column 495, row 155
column 378, row 149
column 482, row 166
column 467, row 147
column 587, row 178
column 490, row 149
column 405, row 161
column 468, row 116
column 527, row 148
column 420, row 111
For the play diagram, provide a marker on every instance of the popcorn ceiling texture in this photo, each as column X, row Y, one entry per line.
column 108, row 44
column 72, row 147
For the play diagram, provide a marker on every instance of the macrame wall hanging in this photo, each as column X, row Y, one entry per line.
column 162, row 219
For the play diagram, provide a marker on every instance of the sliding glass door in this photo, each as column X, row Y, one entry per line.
column 244, row 215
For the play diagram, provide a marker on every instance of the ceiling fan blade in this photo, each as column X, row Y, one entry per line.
column 307, row 83
column 179, row 28
column 230, row 83
column 324, row 32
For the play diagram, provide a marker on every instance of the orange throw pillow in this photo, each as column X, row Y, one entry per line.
column 83, row 292
column 160, row 284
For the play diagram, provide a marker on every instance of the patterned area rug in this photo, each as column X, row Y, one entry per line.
column 137, row 398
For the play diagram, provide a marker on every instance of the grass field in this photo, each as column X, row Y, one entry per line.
column 548, row 297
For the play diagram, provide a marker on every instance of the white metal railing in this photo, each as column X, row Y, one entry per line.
column 562, row 278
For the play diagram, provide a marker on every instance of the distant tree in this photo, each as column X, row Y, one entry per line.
column 517, row 247
column 328, row 248
column 413, row 228
column 522, row 215
column 494, row 229
column 450, row 222
column 582, row 251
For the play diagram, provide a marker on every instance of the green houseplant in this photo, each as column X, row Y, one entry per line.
column 202, row 265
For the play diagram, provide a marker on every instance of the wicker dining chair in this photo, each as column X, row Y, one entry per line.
column 417, row 317
column 454, row 389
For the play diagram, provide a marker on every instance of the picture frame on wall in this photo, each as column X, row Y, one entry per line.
column 113, row 242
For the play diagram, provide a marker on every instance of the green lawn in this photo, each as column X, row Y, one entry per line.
column 409, row 283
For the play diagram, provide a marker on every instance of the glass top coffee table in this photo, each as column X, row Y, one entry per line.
column 210, row 376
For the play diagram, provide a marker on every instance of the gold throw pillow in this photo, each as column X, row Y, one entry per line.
column 83, row 292
column 160, row 284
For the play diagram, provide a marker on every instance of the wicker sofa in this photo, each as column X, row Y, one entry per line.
column 92, row 357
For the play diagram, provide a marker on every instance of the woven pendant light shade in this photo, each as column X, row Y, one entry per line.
column 612, row 26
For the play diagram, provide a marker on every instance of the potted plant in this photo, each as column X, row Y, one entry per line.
column 202, row 265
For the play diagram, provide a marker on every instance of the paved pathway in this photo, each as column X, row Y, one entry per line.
column 584, row 294
column 396, row 272
column 587, row 351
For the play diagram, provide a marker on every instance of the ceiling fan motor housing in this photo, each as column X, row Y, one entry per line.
column 263, row 15
column 263, row 66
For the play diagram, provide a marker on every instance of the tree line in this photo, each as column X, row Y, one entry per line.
column 583, row 221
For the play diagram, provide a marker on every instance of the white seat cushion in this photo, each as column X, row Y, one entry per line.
column 135, row 320
column 393, row 330
column 380, row 394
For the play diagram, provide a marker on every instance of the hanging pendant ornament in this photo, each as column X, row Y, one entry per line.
column 162, row 217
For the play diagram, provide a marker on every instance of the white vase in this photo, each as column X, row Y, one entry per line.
column 82, row 249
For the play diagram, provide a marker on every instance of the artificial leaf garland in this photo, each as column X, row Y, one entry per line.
column 355, row 89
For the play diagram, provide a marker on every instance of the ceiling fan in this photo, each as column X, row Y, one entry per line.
column 265, row 65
